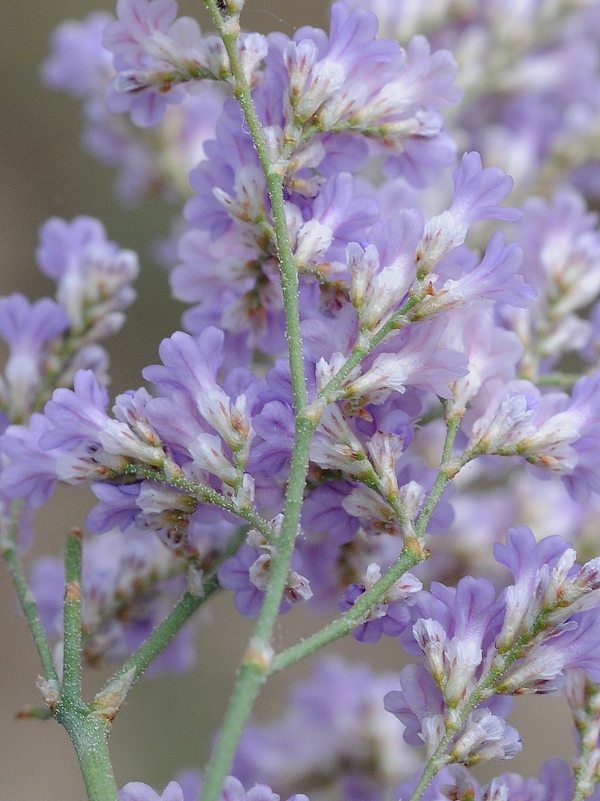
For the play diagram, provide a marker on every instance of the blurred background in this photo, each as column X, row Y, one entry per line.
column 168, row 722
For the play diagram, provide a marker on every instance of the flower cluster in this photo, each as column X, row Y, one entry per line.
column 478, row 647
column 174, row 791
column 530, row 76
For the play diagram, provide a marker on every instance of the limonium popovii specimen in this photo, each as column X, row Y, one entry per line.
column 389, row 355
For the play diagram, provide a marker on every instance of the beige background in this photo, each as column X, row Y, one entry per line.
column 167, row 723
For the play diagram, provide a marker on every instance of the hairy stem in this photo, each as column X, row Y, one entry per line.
column 71, row 684
column 10, row 554
column 89, row 735
column 257, row 657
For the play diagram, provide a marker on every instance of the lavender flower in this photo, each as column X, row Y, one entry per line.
column 247, row 573
column 478, row 192
column 417, row 354
column 232, row 791
column 78, row 63
column 547, row 620
column 552, row 431
column 390, row 615
column 155, row 53
column 30, row 331
column 92, row 274
column 137, row 791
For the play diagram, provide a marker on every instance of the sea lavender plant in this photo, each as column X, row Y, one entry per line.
column 368, row 356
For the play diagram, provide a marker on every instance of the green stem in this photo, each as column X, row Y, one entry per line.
column 204, row 494
column 71, row 684
column 445, row 474
column 563, row 380
column 585, row 718
column 9, row 552
column 582, row 789
column 117, row 687
column 89, row 735
column 88, row 732
column 367, row 342
column 258, row 654
column 411, row 555
column 249, row 681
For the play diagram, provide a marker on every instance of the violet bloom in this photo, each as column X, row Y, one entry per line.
column 356, row 82
column 531, row 89
column 156, row 54
column 478, row 191
column 410, row 358
column 190, row 367
column 495, row 278
column 232, row 269
column 544, row 572
column 189, row 790
column 78, row 63
column 390, row 615
column 562, row 261
column 247, row 574
column 547, row 621
column 137, row 791
column 553, row 432
column 30, row 330
column 382, row 273
column 454, row 629
column 420, row 707
column 493, row 352
column 556, row 783
column 93, row 276
column 82, row 430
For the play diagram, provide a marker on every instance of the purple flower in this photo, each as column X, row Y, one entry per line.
column 78, row 63
column 420, row 707
column 383, row 272
column 496, row 278
column 272, row 449
column 477, row 193
column 188, row 788
column 493, row 352
column 155, row 53
column 117, row 508
column 137, row 791
column 31, row 472
column 552, row 431
column 390, row 615
column 78, row 416
column 459, row 624
column 410, row 358
column 247, row 573
column 93, row 276
column 190, row 367
column 356, row 82
column 30, row 330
